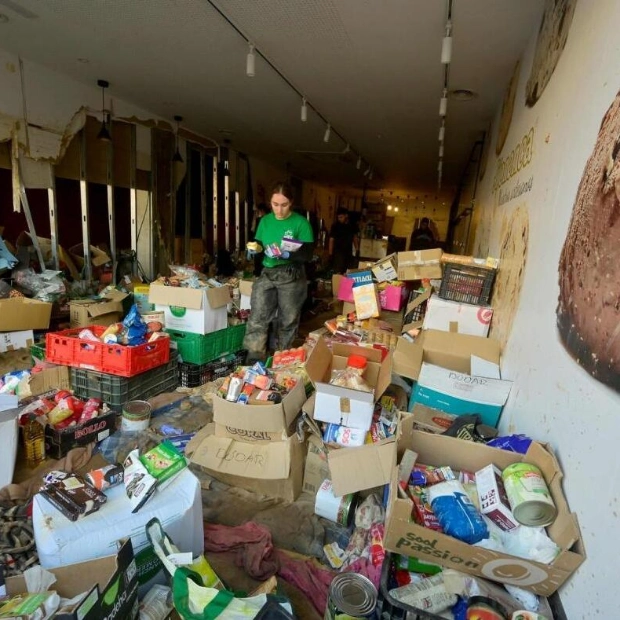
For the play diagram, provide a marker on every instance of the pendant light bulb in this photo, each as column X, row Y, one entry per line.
column 304, row 110
column 446, row 45
column 359, row 162
column 177, row 154
column 328, row 133
column 442, row 132
column 104, row 132
column 443, row 103
column 441, row 149
column 250, row 62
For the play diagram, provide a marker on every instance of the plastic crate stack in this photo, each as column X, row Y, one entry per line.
column 203, row 358
column 468, row 284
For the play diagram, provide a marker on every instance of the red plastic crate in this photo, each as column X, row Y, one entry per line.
column 66, row 348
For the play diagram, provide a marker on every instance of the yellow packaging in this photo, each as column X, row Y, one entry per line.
column 366, row 298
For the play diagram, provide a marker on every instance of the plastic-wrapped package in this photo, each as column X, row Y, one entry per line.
column 352, row 376
column 42, row 286
column 512, row 443
column 455, row 512
column 135, row 326
column 428, row 594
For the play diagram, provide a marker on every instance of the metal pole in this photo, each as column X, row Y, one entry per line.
column 213, row 249
column 237, row 221
column 187, row 237
column 51, row 199
column 133, row 200
column 28, row 214
column 203, row 199
column 246, row 228
column 87, row 271
column 226, row 205
column 111, row 210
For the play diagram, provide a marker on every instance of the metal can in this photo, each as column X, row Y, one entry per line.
column 106, row 477
column 528, row 495
column 136, row 415
column 523, row 614
column 484, row 608
column 329, row 506
column 350, row 596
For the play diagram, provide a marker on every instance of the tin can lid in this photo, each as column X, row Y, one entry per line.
column 353, row 594
column 535, row 514
column 357, row 361
column 489, row 602
column 137, row 408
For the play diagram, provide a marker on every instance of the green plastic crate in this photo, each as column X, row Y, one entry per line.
column 38, row 350
column 197, row 349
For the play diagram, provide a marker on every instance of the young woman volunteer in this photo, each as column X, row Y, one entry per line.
column 281, row 289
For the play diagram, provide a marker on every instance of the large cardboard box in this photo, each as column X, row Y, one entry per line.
column 452, row 316
column 402, row 535
column 317, row 468
column 199, row 311
column 267, row 418
column 9, row 341
column 386, row 269
column 340, row 405
column 97, row 257
column 20, row 313
column 48, row 379
column 9, row 436
column 274, row 468
column 245, row 293
column 352, row 469
column 451, row 351
column 419, row 264
column 373, row 248
column 86, row 312
column 111, row 583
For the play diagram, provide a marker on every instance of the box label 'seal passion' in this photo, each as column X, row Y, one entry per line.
column 429, row 546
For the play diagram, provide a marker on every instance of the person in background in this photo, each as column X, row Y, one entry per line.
column 422, row 238
column 281, row 287
column 343, row 242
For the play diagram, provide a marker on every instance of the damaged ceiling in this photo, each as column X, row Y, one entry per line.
column 371, row 68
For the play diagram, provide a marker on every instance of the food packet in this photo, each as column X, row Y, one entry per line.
column 350, row 378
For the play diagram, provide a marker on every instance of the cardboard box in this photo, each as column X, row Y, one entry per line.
column 407, row 537
column 461, row 393
column 267, row 418
column 340, row 405
column 419, row 264
column 59, row 442
column 199, row 311
column 98, row 257
column 274, row 469
column 86, row 312
column 386, row 269
column 241, row 434
column 9, row 341
column 317, row 468
column 452, row 316
column 54, row 378
column 9, row 436
column 111, row 583
column 245, row 291
column 393, row 297
column 373, row 248
column 431, row 420
column 343, row 287
column 452, row 351
column 353, row 469
column 21, row 313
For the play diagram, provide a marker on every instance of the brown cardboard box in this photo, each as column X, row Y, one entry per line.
column 111, row 583
column 419, row 264
column 242, row 434
column 317, row 468
column 340, row 405
column 431, row 420
column 354, row 469
column 445, row 349
column 267, row 418
column 11, row 341
column 85, row 312
column 402, row 535
column 97, row 257
column 386, row 269
column 21, row 313
column 55, row 378
column 274, row 469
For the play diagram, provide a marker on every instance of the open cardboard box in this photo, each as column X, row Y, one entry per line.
column 21, row 313
column 9, row 341
column 420, row 264
column 386, row 269
column 402, row 535
column 354, row 469
column 48, row 379
column 85, row 312
column 272, row 418
column 455, row 317
column 274, row 468
column 111, row 583
column 199, row 311
column 346, row 406
column 97, row 257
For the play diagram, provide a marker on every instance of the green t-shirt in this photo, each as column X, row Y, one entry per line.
column 271, row 230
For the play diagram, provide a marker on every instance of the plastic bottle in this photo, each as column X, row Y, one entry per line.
column 34, row 441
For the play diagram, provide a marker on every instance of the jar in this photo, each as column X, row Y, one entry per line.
column 484, row 608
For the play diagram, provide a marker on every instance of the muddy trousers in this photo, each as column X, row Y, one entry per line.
column 278, row 291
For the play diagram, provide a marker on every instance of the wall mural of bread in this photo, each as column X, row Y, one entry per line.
column 588, row 313
column 514, row 239
column 552, row 37
column 507, row 108
column 484, row 156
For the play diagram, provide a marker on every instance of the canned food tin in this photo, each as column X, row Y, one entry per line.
column 350, row 596
column 136, row 415
column 329, row 506
column 484, row 608
column 106, row 477
column 528, row 495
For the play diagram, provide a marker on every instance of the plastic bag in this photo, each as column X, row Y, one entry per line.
column 455, row 512
column 135, row 326
column 350, row 378
column 512, row 443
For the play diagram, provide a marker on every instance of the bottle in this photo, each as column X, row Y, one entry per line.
column 34, row 441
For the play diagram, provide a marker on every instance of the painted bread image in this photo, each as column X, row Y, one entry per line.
column 588, row 313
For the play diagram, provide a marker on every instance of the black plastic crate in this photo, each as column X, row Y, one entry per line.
column 388, row 606
column 417, row 314
column 467, row 284
column 115, row 391
column 193, row 375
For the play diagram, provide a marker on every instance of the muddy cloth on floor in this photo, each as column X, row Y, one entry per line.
column 22, row 492
column 17, row 547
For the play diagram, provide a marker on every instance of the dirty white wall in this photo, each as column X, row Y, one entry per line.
column 553, row 398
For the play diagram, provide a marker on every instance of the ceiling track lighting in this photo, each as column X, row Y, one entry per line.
column 443, row 103
column 328, row 133
column 441, row 150
column 446, row 45
column 104, row 132
column 304, row 110
column 177, row 154
column 442, row 131
column 250, row 62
